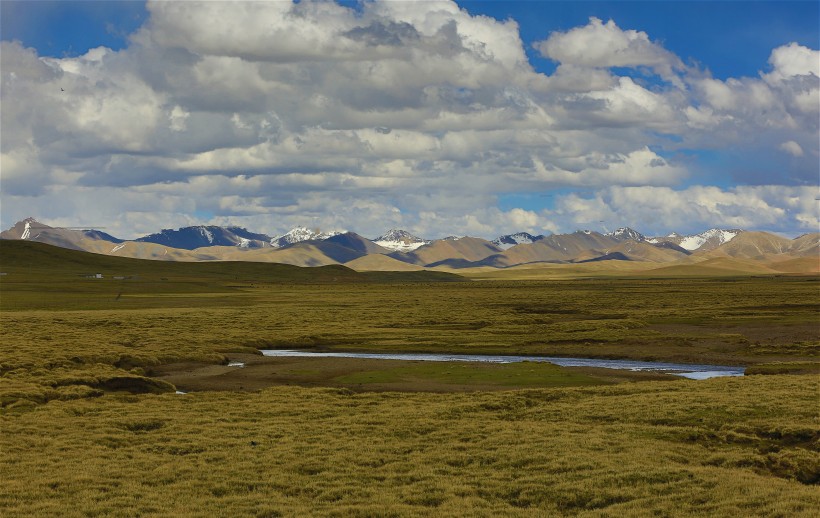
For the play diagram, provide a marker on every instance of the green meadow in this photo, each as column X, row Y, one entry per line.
column 91, row 425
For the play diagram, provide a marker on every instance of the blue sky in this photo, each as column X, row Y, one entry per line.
column 731, row 38
column 704, row 94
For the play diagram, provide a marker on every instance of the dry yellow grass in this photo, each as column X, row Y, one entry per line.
column 724, row 447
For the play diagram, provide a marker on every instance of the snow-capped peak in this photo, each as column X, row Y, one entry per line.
column 625, row 233
column 299, row 234
column 716, row 235
column 510, row 240
column 400, row 241
column 708, row 240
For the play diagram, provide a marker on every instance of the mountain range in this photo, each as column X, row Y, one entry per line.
column 399, row 250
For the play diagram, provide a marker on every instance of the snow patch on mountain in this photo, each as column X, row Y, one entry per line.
column 696, row 241
column 400, row 241
column 692, row 242
column 26, row 231
column 704, row 241
column 118, row 247
column 207, row 234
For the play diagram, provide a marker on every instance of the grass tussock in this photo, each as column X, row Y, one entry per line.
column 719, row 447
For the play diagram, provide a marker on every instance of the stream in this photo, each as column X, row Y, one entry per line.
column 686, row 370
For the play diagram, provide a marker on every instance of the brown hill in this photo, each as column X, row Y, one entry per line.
column 140, row 250
column 381, row 263
column 32, row 230
column 806, row 245
column 465, row 249
column 751, row 245
column 301, row 254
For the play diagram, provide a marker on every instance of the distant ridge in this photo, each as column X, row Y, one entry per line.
column 190, row 238
column 398, row 250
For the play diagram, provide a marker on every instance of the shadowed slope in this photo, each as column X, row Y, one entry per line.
column 635, row 251
column 25, row 258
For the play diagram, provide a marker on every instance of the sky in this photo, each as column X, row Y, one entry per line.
column 437, row 117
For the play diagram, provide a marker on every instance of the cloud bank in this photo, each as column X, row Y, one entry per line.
column 413, row 115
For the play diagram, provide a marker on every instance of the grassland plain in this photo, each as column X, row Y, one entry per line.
column 75, row 442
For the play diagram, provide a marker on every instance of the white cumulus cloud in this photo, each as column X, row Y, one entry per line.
column 606, row 45
column 414, row 114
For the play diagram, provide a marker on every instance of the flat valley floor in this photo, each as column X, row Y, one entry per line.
column 92, row 424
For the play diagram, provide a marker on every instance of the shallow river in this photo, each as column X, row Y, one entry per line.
column 687, row 370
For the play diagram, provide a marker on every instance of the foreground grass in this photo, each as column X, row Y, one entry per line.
column 722, row 447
